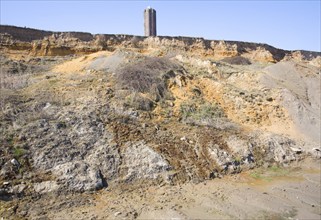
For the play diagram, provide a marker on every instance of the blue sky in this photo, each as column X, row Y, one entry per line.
column 283, row 24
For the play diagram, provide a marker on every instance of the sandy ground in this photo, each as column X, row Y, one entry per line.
column 272, row 193
column 298, row 86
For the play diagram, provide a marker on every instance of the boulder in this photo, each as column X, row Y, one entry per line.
column 142, row 162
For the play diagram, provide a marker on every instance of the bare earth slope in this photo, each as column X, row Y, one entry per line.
column 118, row 126
column 300, row 94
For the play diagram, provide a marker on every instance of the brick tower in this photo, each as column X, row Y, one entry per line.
column 150, row 21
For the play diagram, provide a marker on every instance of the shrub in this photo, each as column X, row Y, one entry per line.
column 18, row 152
column 206, row 114
column 139, row 102
column 187, row 110
column 210, row 111
column 201, row 112
column 146, row 76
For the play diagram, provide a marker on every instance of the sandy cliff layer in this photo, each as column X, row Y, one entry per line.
column 47, row 43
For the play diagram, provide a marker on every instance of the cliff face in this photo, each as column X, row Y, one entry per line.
column 47, row 43
column 30, row 34
column 82, row 112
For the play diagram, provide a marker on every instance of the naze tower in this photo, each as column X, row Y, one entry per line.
column 150, row 21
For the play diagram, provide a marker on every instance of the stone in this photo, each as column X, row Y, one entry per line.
column 23, row 213
column 296, row 150
column 4, row 194
column 117, row 214
column 316, row 152
column 79, row 176
column 15, row 162
column 7, row 169
column 46, row 186
column 142, row 162
column 18, row 189
column 48, row 105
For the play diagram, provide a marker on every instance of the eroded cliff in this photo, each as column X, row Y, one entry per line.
column 82, row 112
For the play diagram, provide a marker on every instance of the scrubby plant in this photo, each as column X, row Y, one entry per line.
column 201, row 112
column 137, row 101
column 187, row 109
column 208, row 110
column 18, row 152
column 206, row 114
column 147, row 76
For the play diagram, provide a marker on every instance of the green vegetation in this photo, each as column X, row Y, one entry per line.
column 187, row 109
column 279, row 171
column 201, row 112
column 256, row 175
column 238, row 159
column 53, row 81
column 18, row 152
column 269, row 173
column 259, row 175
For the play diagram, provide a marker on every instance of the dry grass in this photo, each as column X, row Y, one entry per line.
column 146, row 76
column 139, row 102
